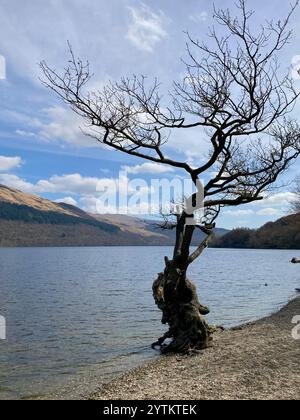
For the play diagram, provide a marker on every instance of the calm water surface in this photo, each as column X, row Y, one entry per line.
column 77, row 317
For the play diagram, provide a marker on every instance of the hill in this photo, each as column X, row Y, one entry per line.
column 149, row 228
column 18, row 206
column 29, row 220
column 281, row 234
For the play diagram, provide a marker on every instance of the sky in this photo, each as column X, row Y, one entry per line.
column 43, row 150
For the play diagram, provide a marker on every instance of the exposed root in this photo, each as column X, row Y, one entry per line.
column 177, row 298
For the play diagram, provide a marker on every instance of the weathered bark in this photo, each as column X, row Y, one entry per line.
column 176, row 297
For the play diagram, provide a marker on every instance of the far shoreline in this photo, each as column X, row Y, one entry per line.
column 142, row 246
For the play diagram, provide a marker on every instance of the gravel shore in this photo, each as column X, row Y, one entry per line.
column 260, row 360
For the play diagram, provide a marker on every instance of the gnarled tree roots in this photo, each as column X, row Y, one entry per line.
column 177, row 298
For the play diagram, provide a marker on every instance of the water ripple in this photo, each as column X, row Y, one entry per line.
column 75, row 313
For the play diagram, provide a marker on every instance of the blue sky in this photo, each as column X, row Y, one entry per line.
column 42, row 149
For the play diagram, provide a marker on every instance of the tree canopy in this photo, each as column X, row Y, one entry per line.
column 236, row 95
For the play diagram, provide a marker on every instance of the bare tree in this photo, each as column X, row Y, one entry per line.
column 234, row 95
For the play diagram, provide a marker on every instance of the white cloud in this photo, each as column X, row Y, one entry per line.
column 199, row 17
column 101, row 195
column 275, row 205
column 67, row 200
column 90, row 189
column 193, row 144
column 95, row 205
column 104, row 170
column 270, row 211
column 27, row 43
column 2, row 68
column 284, row 198
column 24, row 133
column 148, row 168
column 73, row 184
column 64, row 125
column 90, row 204
column 238, row 213
column 8, row 163
column 65, row 184
column 21, row 119
column 146, row 28
column 69, row 184
column 14, row 181
column 60, row 124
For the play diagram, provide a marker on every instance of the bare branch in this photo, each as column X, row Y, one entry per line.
column 232, row 92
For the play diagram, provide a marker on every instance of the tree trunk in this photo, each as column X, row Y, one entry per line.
column 177, row 298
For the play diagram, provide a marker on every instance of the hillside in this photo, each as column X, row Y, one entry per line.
column 281, row 234
column 148, row 228
column 18, row 206
column 29, row 220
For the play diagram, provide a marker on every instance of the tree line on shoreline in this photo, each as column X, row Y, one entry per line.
column 281, row 234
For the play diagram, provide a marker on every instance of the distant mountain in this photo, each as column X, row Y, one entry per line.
column 29, row 220
column 18, row 206
column 149, row 228
column 281, row 234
